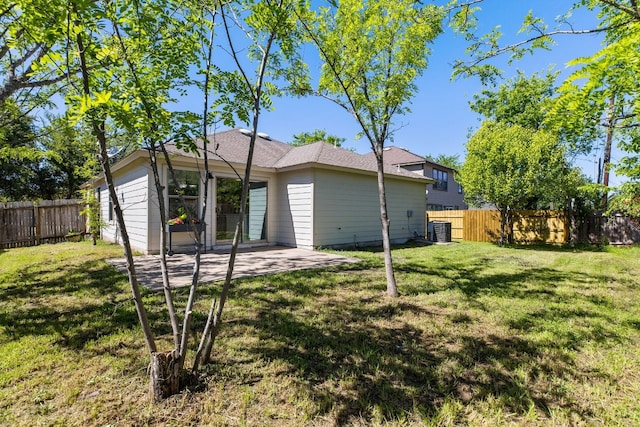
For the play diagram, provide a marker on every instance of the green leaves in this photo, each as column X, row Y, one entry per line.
column 512, row 166
column 627, row 200
column 305, row 138
column 522, row 100
column 372, row 52
column 611, row 73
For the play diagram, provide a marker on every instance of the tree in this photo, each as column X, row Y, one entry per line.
column 517, row 114
column 272, row 28
column 511, row 166
column 372, row 51
column 46, row 163
column 451, row 161
column 606, row 86
column 131, row 64
column 528, row 102
column 20, row 157
column 601, row 95
column 523, row 100
column 305, row 138
column 70, row 156
column 627, row 200
column 30, row 45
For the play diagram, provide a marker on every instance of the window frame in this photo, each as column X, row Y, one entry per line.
column 441, row 178
column 192, row 201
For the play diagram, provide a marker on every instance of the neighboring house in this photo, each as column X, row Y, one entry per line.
column 444, row 193
column 310, row 196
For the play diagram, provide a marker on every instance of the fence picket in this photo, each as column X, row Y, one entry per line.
column 32, row 223
column 484, row 225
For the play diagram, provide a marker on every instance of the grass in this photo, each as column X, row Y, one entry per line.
column 480, row 336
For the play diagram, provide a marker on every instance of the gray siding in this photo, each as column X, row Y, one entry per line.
column 294, row 209
column 406, row 206
column 348, row 211
column 132, row 189
column 446, row 199
column 417, row 169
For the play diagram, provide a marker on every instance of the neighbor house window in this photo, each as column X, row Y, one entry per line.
column 441, row 178
column 459, row 188
column 187, row 185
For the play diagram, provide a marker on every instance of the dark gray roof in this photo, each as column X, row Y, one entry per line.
column 233, row 147
column 402, row 156
column 397, row 155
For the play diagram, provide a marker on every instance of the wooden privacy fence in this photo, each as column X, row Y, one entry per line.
column 484, row 225
column 32, row 223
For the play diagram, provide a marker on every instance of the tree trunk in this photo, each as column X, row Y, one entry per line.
column 392, row 288
column 98, row 128
column 506, row 227
column 503, row 226
column 164, row 375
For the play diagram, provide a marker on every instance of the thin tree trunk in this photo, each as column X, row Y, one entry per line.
column 256, row 92
column 204, row 339
column 205, row 131
column 503, row 227
column 392, row 288
column 159, row 191
column 237, row 236
column 100, row 134
column 166, row 286
column 165, row 367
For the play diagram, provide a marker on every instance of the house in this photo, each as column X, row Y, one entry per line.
column 316, row 195
column 444, row 193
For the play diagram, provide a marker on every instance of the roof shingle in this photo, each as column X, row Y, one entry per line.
column 233, row 147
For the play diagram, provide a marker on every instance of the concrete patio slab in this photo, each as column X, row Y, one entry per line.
column 213, row 267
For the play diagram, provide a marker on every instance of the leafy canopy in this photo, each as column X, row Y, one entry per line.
column 521, row 100
column 611, row 74
column 513, row 167
column 452, row 161
column 305, row 138
column 372, row 53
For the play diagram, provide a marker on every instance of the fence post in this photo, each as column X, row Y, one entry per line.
column 37, row 222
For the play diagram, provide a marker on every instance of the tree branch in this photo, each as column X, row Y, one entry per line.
column 351, row 108
column 20, row 61
column 513, row 47
column 5, row 48
column 234, row 53
column 633, row 10
column 23, row 82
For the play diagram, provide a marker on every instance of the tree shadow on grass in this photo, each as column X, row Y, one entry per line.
column 79, row 304
column 362, row 359
column 568, row 248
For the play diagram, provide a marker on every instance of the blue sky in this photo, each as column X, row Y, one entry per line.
column 440, row 119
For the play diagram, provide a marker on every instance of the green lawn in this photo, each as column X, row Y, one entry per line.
column 481, row 335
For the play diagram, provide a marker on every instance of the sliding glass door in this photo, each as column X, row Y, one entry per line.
column 228, row 193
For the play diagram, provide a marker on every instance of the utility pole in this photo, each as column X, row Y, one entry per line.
column 607, row 151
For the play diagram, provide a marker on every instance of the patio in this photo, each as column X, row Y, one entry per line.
column 213, row 266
